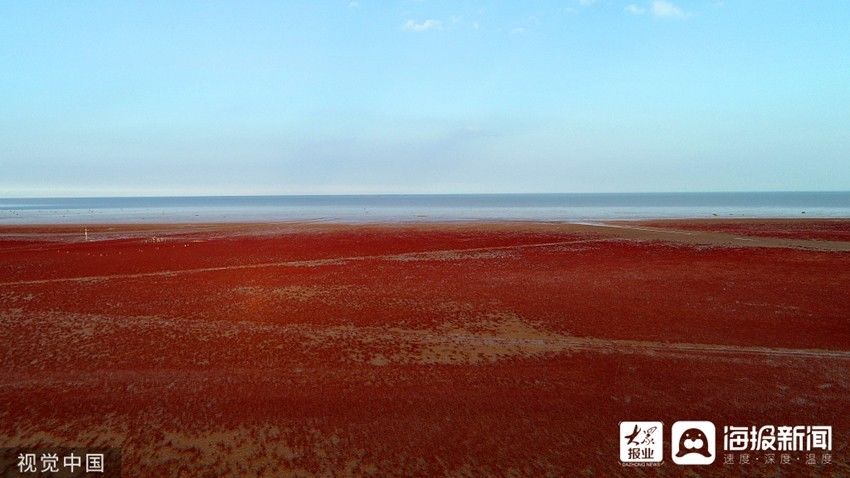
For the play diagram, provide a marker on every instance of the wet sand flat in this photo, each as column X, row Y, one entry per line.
column 461, row 349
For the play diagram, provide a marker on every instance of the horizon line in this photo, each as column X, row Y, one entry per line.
column 156, row 196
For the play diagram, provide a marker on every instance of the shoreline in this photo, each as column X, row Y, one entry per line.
column 809, row 233
column 486, row 222
column 426, row 220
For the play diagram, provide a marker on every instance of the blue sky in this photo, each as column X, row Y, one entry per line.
column 150, row 98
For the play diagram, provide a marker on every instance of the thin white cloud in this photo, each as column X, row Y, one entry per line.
column 518, row 31
column 413, row 26
column 635, row 9
column 663, row 8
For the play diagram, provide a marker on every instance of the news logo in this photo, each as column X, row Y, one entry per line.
column 641, row 443
column 696, row 442
column 693, row 443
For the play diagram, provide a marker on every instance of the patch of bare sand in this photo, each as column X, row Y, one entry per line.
column 297, row 293
column 503, row 335
column 453, row 255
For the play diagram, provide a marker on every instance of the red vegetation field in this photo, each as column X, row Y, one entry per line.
column 462, row 350
column 817, row 229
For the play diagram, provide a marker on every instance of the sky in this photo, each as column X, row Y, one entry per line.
column 422, row 96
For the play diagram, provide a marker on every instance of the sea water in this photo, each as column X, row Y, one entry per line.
column 443, row 207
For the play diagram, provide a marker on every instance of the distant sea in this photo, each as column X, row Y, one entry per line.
column 452, row 207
